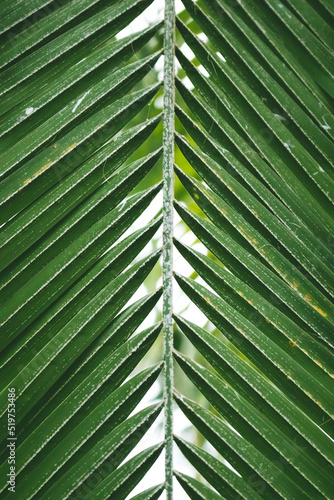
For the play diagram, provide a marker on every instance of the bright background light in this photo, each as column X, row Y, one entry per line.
column 182, row 427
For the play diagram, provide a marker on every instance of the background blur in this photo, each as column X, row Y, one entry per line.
column 182, row 427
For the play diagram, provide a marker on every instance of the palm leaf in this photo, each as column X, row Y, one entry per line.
column 247, row 109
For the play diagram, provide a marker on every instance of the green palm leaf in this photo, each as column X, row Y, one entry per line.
column 248, row 130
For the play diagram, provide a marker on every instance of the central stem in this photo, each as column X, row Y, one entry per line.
column 167, row 271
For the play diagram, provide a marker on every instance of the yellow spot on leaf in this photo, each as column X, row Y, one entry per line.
column 42, row 169
column 67, row 150
column 292, row 343
column 320, row 311
column 252, row 240
column 308, row 299
column 39, row 171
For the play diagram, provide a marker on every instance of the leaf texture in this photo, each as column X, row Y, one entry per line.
column 86, row 330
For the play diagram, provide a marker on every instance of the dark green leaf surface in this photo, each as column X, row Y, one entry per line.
column 151, row 494
column 114, row 18
column 251, row 384
column 100, row 452
column 245, row 100
column 195, row 489
column 215, row 472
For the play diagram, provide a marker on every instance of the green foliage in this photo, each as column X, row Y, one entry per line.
column 82, row 136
